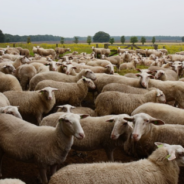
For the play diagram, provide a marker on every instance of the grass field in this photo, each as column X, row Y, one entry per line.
column 82, row 47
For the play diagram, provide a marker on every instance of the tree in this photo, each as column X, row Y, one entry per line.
column 1, row 37
column 89, row 40
column 153, row 40
column 133, row 39
column 123, row 39
column 76, row 40
column 101, row 37
column 182, row 39
column 28, row 40
column 143, row 40
column 62, row 40
column 111, row 40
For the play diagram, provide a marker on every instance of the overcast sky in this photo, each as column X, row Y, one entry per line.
column 70, row 18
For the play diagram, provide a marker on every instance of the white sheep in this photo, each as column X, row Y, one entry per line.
column 112, row 102
column 33, row 104
column 131, row 65
column 13, row 110
column 161, row 167
column 47, row 145
column 11, row 181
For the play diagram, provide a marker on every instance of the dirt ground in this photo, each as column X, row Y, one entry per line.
column 29, row 172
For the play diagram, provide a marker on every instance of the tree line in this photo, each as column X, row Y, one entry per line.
column 98, row 37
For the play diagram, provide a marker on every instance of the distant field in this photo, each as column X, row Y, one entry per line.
column 81, row 47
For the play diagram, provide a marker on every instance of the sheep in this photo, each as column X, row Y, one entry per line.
column 153, row 51
column 68, row 69
column 11, row 57
column 52, row 65
column 24, row 74
column 46, row 52
column 141, row 51
column 7, row 68
column 47, row 145
column 60, row 77
column 72, row 93
column 59, row 51
column 99, row 62
column 4, row 100
column 164, row 112
column 180, row 53
column 164, row 51
column 131, row 75
column 13, row 110
column 147, row 62
column 40, row 68
column 109, row 69
column 170, row 73
column 161, row 167
column 33, row 104
column 76, row 110
column 113, row 102
column 97, row 51
column 167, row 65
column 177, row 67
column 19, row 61
column 23, row 52
column 11, row 181
column 124, row 88
column 131, row 65
column 13, row 51
column 106, row 52
column 147, row 130
column 175, row 57
column 164, row 76
column 72, row 54
column 126, row 57
column 102, row 128
column 9, row 83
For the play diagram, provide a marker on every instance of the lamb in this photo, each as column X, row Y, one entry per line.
column 112, row 102
column 59, row 51
column 131, row 65
column 60, row 77
column 72, row 93
column 33, row 104
column 164, row 112
column 23, row 52
column 124, row 88
column 46, row 52
column 9, row 83
column 158, row 168
column 147, row 130
column 47, row 145
column 11, row 181
column 164, row 76
column 76, row 110
column 24, row 74
column 102, row 128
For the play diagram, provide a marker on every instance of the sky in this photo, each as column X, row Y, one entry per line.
column 69, row 18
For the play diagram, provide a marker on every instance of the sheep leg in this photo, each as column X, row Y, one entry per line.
column 109, row 153
column 43, row 175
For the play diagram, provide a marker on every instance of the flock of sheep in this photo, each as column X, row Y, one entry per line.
column 41, row 117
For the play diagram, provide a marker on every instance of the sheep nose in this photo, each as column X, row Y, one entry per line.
column 81, row 135
column 135, row 137
column 113, row 136
column 49, row 98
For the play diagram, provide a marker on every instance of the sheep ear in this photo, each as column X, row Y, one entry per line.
column 111, row 120
column 138, row 75
column 61, row 120
column 83, row 116
column 55, row 89
column 41, row 91
column 138, row 70
column 129, row 119
column 172, row 155
column 159, row 144
column 156, row 121
column 151, row 76
column 84, row 78
column 47, row 64
column 74, row 67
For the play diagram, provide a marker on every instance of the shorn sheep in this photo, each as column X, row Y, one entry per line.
column 44, row 146
column 102, row 129
column 71, row 93
column 161, row 167
column 60, row 77
column 112, row 102
column 33, row 104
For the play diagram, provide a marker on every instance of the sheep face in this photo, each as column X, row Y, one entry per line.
column 144, row 79
column 142, row 125
column 65, row 108
column 71, row 124
column 177, row 66
column 89, row 74
column 48, row 92
column 174, row 152
column 13, row 110
column 120, row 125
column 89, row 82
column 68, row 68
column 24, row 60
column 9, row 68
column 160, row 96
column 52, row 65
